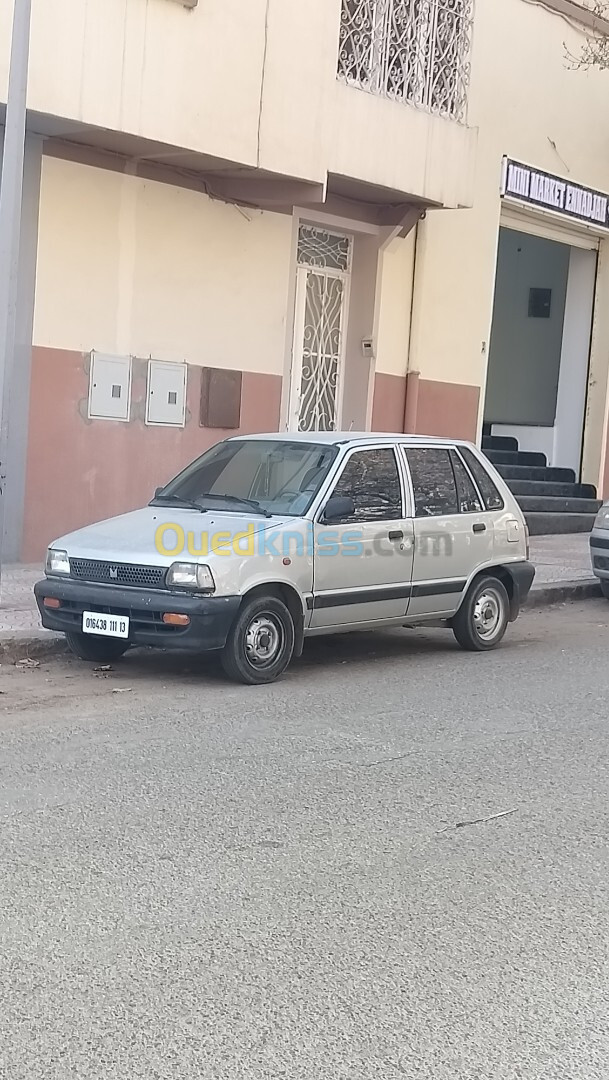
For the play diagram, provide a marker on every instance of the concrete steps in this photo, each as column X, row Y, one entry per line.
column 515, row 457
column 551, row 499
column 500, row 442
column 552, row 488
column 552, row 524
column 529, row 472
column 552, row 504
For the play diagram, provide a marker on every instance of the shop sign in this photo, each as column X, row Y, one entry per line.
column 542, row 189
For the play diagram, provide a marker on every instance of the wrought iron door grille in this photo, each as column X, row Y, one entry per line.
column 415, row 51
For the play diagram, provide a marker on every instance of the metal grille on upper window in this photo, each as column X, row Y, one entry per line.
column 327, row 250
column 416, row 51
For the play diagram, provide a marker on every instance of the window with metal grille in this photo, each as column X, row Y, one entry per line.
column 416, row 51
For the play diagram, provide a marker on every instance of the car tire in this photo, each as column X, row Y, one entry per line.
column 604, row 582
column 260, row 644
column 98, row 649
column 483, row 617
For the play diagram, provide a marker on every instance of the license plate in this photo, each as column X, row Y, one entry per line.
column 105, row 625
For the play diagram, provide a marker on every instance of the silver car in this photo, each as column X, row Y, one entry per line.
column 599, row 548
column 268, row 539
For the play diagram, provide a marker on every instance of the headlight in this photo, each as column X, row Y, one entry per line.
column 602, row 518
column 191, row 576
column 57, row 561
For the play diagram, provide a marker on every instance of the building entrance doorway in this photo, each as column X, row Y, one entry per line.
column 540, row 345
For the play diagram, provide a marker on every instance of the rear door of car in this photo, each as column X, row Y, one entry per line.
column 452, row 528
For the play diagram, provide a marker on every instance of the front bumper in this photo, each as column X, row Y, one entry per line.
column 211, row 617
column 599, row 552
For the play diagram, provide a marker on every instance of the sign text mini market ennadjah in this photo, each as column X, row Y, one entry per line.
column 554, row 193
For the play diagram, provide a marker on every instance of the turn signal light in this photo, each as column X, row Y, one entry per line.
column 173, row 619
column 50, row 601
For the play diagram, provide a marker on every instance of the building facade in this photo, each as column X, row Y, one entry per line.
column 251, row 216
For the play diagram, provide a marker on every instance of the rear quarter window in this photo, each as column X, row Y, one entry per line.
column 493, row 500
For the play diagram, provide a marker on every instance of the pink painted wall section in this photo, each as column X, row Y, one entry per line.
column 82, row 470
column 447, row 409
column 425, row 406
column 388, row 402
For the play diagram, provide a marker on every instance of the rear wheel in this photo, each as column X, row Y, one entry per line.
column 605, row 587
column 260, row 644
column 100, row 649
column 482, row 619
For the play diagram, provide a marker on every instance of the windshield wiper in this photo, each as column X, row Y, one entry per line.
column 237, row 499
column 187, row 504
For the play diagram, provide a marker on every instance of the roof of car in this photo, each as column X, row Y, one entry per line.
column 336, row 438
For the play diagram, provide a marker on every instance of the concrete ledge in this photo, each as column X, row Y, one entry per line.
column 36, row 644
column 559, row 592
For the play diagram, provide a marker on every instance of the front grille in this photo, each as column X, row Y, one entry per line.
column 109, row 573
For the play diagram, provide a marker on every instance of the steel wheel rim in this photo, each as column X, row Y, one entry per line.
column 264, row 639
column 488, row 614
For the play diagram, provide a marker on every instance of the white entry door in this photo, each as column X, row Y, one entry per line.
column 322, row 292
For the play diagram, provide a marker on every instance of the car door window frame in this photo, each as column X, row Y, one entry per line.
column 485, row 509
column 482, row 510
column 330, row 490
column 405, row 447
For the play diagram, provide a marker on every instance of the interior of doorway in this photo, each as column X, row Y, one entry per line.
column 540, row 345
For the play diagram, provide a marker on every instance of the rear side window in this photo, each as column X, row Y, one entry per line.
column 433, row 481
column 486, row 486
column 469, row 499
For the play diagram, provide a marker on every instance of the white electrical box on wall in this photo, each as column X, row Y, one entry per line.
column 109, row 387
column 166, row 396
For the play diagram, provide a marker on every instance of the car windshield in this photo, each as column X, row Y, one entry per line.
column 271, row 476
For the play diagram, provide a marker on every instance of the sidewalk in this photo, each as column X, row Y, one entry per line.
column 562, row 564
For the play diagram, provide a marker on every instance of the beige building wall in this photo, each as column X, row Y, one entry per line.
column 231, row 84
column 528, row 102
column 130, row 266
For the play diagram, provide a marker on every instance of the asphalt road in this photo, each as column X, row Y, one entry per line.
column 199, row 880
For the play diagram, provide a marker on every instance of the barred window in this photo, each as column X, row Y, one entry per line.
column 416, row 51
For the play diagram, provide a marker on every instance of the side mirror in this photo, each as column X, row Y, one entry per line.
column 337, row 509
column 157, row 491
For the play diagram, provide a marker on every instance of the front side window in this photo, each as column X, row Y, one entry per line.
column 433, row 481
column 279, row 476
column 372, row 480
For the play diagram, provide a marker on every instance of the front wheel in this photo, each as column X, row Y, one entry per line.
column 260, row 644
column 99, row 649
column 482, row 619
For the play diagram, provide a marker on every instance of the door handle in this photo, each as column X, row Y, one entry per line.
column 479, row 527
column 397, row 534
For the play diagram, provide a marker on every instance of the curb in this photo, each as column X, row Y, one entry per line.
column 34, row 646
column 560, row 592
column 43, row 644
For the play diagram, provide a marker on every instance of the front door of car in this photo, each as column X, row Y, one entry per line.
column 454, row 533
column 363, row 559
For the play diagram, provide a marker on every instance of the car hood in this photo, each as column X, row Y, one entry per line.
column 141, row 536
